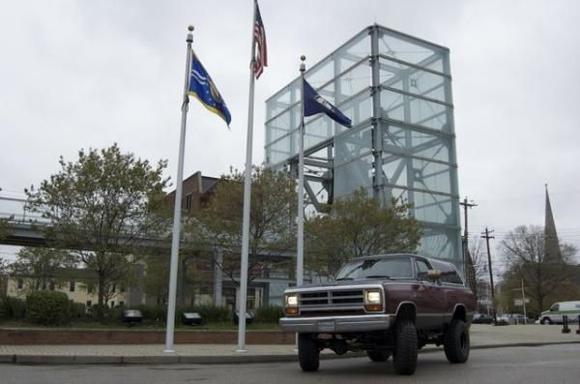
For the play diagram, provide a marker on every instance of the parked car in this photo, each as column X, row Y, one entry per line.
column 482, row 318
column 558, row 310
column 384, row 305
column 513, row 319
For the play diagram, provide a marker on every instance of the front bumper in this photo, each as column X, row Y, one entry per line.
column 337, row 324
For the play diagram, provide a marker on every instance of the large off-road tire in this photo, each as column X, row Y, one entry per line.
column 378, row 356
column 406, row 346
column 308, row 353
column 456, row 342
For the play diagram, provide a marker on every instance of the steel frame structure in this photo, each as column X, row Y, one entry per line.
column 397, row 90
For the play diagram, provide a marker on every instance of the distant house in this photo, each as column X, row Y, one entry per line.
column 79, row 284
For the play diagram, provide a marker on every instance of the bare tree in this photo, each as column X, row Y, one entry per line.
column 524, row 254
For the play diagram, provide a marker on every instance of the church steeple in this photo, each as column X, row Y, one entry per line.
column 551, row 244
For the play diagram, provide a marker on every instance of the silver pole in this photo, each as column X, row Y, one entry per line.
column 300, row 234
column 247, row 203
column 170, row 326
column 524, row 303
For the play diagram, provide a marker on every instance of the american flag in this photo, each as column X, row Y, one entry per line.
column 261, row 55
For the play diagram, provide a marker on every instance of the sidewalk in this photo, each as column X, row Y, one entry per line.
column 482, row 336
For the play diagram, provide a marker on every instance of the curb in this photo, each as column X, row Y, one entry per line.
column 242, row 359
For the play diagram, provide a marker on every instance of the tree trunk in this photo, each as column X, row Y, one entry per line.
column 101, row 296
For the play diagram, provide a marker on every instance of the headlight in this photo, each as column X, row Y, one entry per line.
column 291, row 304
column 373, row 300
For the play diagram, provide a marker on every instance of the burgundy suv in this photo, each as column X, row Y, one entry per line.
column 384, row 305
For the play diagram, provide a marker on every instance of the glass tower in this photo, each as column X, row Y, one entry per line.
column 397, row 90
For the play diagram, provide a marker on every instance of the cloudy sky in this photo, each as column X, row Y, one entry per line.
column 80, row 74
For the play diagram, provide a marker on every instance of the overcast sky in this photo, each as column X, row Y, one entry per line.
column 80, row 74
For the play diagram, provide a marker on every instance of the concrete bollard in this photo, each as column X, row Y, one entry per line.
column 565, row 328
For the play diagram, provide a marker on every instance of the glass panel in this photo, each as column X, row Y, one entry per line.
column 402, row 48
column 433, row 208
column 416, row 111
column 357, row 50
column 431, row 176
column 441, row 243
column 430, row 146
column 352, row 175
column 395, row 170
column 352, row 145
column 412, row 80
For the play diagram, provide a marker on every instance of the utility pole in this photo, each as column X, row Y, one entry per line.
column 487, row 237
column 465, row 205
column 524, row 303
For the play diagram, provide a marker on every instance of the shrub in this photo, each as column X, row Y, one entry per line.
column 48, row 308
column 12, row 308
column 213, row 314
column 152, row 313
column 269, row 314
column 77, row 310
column 209, row 313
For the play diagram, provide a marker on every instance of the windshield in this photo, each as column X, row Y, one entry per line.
column 385, row 268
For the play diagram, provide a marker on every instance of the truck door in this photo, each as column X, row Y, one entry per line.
column 430, row 298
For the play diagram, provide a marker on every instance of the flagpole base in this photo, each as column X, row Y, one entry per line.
column 241, row 350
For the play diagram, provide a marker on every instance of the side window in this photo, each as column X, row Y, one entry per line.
column 555, row 307
column 422, row 269
column 451, row 276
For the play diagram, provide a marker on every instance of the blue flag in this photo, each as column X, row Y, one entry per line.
column 202, row 87
column 314, row 103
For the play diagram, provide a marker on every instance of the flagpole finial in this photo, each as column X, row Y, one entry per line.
column 190, row 34
column 302, row 65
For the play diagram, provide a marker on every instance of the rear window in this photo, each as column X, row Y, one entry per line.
column 385, row 268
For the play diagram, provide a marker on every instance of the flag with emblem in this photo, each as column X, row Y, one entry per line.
column 202, row 87
column 314, row 104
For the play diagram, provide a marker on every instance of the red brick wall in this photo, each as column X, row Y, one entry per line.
column 136, row 336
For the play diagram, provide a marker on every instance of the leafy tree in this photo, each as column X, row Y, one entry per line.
column 101, row 206
column 546, row 281
column 273, row 208
column 41, row 266
column 358, row 226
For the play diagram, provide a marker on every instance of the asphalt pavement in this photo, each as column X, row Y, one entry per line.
column 482, row 336
column 530, row 365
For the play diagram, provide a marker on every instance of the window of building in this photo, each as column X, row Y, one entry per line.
column 89, row 303
column 188, row 201
column 71, row 286
column 112, row 304
column 19, row 283
column 121, row 303
column 51, row 286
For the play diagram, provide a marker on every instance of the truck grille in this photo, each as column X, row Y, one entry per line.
column 331, row 301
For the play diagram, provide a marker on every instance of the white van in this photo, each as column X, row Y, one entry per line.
column 558, row 310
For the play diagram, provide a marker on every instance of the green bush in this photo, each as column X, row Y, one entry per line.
column 12, row 308
column 152, row 313
column 48, row 308
column 78, row 310
column 213, row 314
column 209, row 313
column 269, row 314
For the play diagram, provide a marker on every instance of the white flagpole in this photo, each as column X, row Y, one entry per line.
column 300, row 234
column 247, row 202
column 170, row 326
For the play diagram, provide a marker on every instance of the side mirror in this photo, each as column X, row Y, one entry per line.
column 434, row 274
